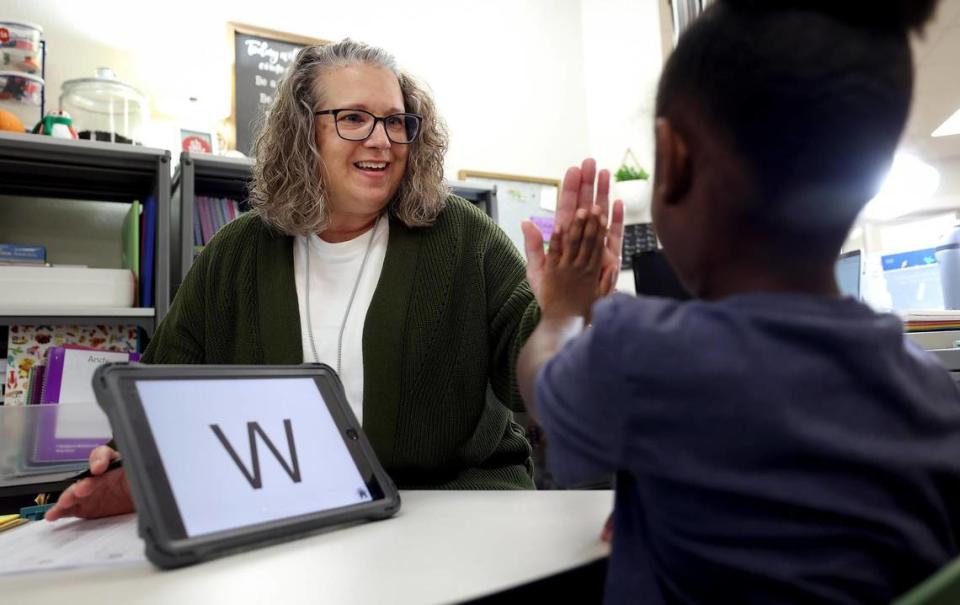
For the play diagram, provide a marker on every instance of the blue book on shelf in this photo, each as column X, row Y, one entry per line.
column 148, row 255
column 23, row 254
column 218, row 209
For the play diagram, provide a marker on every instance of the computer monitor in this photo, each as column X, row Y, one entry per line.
column 848, row 269
column 913, row 279
column 484, row 196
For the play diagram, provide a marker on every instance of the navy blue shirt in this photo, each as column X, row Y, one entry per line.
column 768, row 448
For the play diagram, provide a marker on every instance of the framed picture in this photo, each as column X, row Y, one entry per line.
column 260, row 61
column 520, row 198
column 195, row 141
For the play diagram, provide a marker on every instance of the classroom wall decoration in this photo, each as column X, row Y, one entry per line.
column 261, row 58
column 519, row 198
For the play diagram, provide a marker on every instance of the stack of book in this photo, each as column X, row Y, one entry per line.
column 209, row 215
column 920, row 320
column 20, row 255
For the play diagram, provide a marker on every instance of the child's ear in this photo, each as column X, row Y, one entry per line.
column 673, row 166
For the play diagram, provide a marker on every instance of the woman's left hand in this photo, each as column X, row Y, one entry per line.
column 578, row 192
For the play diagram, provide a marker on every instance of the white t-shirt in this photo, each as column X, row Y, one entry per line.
column 333, row 273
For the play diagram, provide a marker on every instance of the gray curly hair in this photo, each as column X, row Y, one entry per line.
column 287, row 190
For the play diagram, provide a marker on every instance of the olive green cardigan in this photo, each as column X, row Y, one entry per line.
column 449, row 315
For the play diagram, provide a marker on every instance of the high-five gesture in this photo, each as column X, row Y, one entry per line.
column 577, row 192
column 574, row 265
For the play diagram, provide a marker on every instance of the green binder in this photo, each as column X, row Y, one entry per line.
column 130, row 255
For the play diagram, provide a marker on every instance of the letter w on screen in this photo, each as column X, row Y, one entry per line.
column 253, row 429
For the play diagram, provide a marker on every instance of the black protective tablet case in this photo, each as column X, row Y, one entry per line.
column 161, row 548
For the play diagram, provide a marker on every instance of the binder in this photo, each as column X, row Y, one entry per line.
column 70, row 433
column 27, row 349
column 206, row 221
column 148, row 251
column 197, row 231
column 70, row 369
column 130, row 255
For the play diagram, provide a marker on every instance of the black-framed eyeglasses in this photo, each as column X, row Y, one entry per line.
column 358, row 125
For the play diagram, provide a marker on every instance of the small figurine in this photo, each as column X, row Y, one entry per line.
column 57, row 124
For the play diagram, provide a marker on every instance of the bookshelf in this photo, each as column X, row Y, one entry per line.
column 217, row 176
column 34, row 166
column 200, row 174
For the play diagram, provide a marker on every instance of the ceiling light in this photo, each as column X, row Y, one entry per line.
column 950, row 127
column 910, row 183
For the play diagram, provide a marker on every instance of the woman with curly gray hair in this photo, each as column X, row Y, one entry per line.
column 354, row 254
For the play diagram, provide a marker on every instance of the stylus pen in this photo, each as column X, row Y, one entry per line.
column 115, row 463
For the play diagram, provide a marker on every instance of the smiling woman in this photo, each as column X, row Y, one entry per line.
column 303, row 131
column 355, row 255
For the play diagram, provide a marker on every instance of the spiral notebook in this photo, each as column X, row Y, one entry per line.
column 71, row 430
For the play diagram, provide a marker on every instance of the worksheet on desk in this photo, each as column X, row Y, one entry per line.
column 71, row 544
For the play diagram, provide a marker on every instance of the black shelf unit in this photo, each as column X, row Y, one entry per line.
column 200, row 174
column 42, row 166
column 203, row 174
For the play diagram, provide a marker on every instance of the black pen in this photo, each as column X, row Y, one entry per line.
column 115, row 463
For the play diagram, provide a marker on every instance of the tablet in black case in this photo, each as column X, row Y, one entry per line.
column 222, row 459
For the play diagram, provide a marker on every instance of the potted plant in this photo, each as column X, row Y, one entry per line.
column 632, row 185
column 629, row 173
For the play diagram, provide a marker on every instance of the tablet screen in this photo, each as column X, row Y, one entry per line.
column 268, row 443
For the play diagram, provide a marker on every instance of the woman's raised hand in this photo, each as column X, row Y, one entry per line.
column 578, row 192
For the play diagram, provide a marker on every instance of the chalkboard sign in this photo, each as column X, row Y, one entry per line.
column 261, row 59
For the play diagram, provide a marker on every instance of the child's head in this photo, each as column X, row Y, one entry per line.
column 776, row 122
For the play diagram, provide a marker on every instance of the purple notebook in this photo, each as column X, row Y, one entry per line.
column 70, row 433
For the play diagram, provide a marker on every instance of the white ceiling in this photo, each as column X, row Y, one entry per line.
column 937, row 93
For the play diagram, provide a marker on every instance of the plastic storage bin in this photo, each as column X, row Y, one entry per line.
column 20, row 94
column 58, row 287
column 20, row 48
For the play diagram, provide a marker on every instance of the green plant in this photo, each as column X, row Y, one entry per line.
column 630, row 169
column 629, row 173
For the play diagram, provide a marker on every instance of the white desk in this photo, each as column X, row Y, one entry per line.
column 942, row 339
column 442, row 547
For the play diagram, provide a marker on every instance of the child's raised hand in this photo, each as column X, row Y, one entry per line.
column 573, row 270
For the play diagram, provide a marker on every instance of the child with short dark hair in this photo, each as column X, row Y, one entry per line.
column 773, row 442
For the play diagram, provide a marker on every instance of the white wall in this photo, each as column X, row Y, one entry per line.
column 527, row 86
column 508, row 74
column 623, row 57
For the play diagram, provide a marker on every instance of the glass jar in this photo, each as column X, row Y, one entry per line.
column 105, row 109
